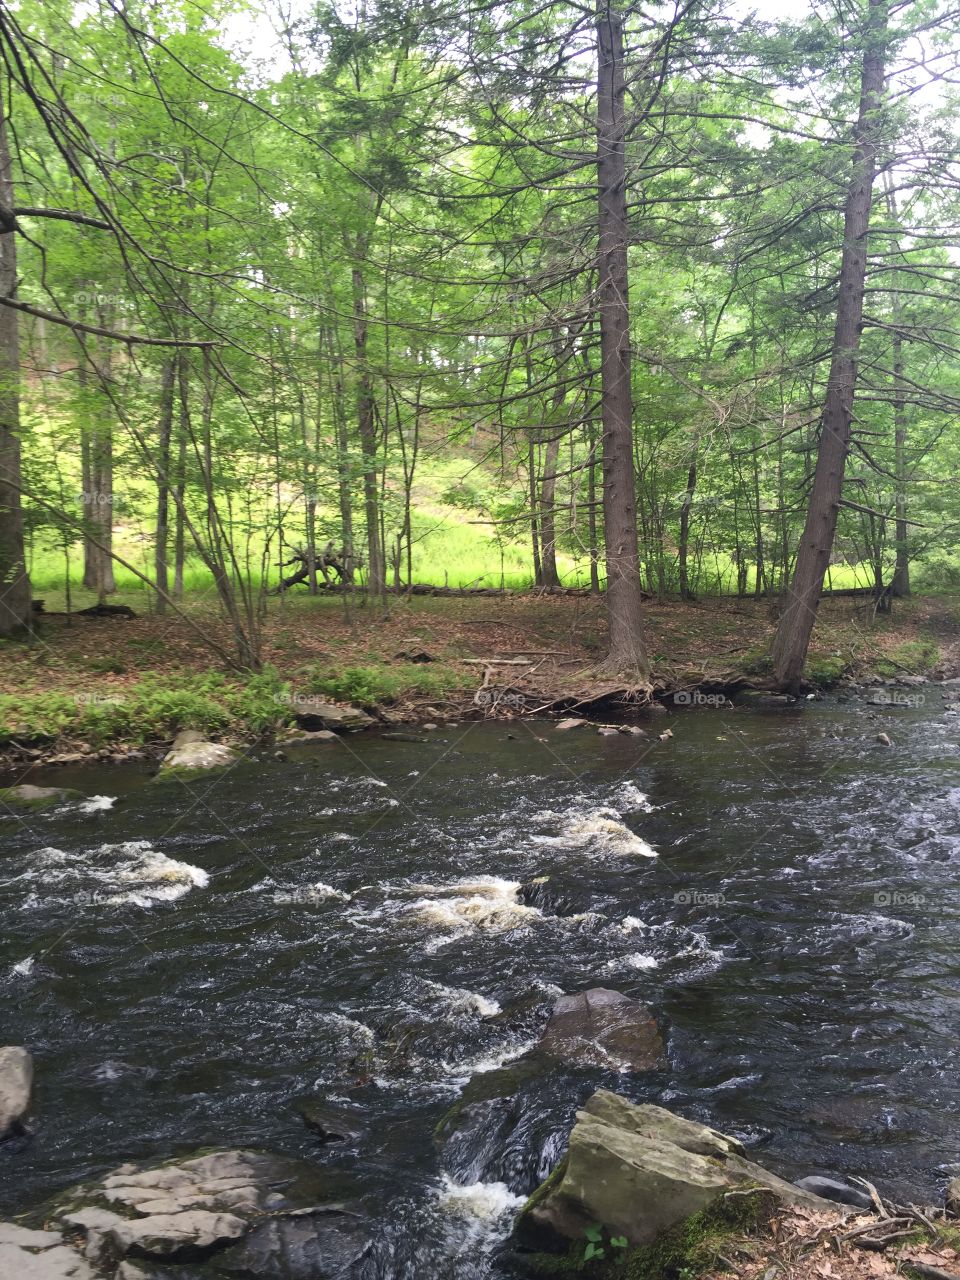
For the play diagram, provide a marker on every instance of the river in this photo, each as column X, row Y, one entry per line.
column 349, row 925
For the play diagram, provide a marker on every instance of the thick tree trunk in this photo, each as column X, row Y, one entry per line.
column 627, row 652
column 165, row 434
column 15, row 605
column 813, row 557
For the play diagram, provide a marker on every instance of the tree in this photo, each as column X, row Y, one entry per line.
column 15, row 602
column 803, row 598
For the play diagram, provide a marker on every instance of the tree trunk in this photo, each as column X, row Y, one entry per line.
column 900, row 583
column 813, row 557
column 367, row 430
column 627, row 652
column 15, row 603
column 684, row 540
column 548, row 520
column 163, row 483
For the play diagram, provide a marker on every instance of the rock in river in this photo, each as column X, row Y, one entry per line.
column 638, row 1171
column 39, row 1255
column 16, row 1083
column 240, row 1213
column 603, row 1028
column 27, row 796
column 192, row 754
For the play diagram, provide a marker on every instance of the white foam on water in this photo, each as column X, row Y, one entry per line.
column 131, row 873
column 492, row 1060
column 97, row 804
column 630, row 799
column 486, row 1201
column 599, row 831
column 640, row 961
column 459, row 1000
column 632, row 924
column 487, row 904
column 23, row 967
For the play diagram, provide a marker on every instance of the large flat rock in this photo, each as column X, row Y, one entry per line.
column 638, row 1171
column 39, row 1255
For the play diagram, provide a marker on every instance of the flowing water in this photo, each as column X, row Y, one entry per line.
column 351, row 925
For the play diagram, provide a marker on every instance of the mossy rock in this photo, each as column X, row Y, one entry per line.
column 28, row 798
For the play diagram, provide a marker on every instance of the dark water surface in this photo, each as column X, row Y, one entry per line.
column 186, row 963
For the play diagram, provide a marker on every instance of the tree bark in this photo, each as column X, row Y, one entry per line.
column 367, row 430
column 15, row 602
column 168, row 381
column 813, row 558
column 684, row 539
column 627, row 652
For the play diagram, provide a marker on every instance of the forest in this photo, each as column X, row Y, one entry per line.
column 479, row 639
column 641, row 302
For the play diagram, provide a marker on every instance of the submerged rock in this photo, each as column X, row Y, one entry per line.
column 638, row 1171
column 192, row 754
column 603, row 1028
column 323, row 1243
column 27, row 796
column 330, row 1124
column 16, row 1084
column 831, row 1189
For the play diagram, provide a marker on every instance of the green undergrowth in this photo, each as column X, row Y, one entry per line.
column 915, row 657
column 686, row 1251
column 151, row 709
column 380, row 684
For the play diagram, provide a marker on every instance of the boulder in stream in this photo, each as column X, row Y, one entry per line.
column 638, row 1171
column 39, row 1255
column 242, row 1213
column 191, row 754
column 311, row 713
column 16, row 1085
column 603, row 1028
column 28, row 797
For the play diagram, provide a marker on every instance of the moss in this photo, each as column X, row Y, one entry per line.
column 757, row 662
column 21, row 798
column 916, row 656
column 691, row 1247
column 826, row 669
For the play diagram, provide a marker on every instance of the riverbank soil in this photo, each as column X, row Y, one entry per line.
column 430, row 657
column 798, row 1244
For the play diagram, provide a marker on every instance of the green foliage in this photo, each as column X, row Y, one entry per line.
column 382, row 684
column 913, row 656
column 151, row 710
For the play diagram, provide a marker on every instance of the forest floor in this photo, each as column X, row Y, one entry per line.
column 105, row 681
